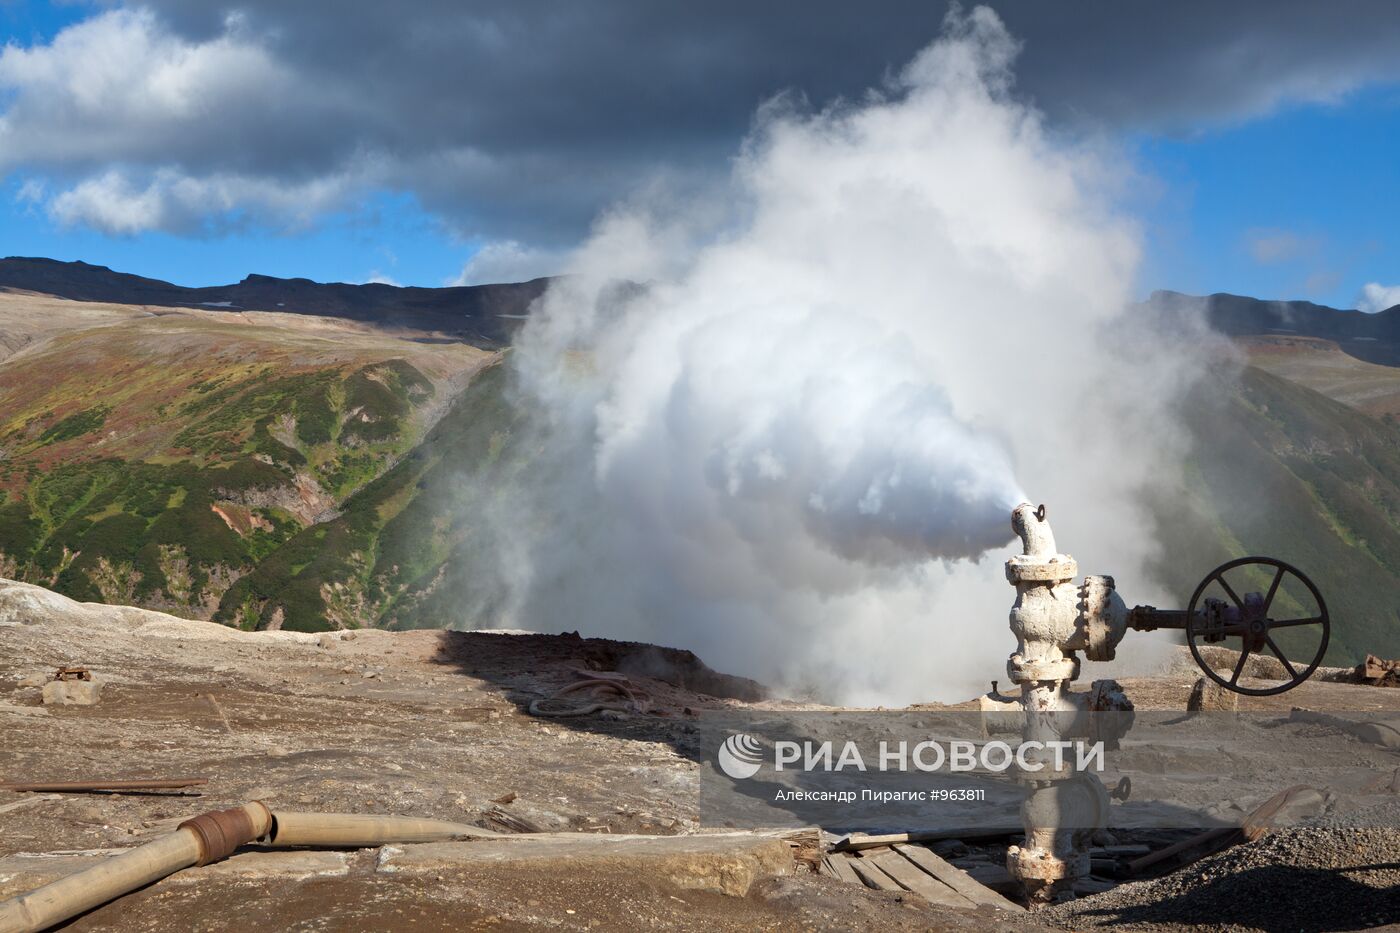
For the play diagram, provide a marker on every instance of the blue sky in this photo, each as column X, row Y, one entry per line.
column 1289, row 205
column 1289, row 198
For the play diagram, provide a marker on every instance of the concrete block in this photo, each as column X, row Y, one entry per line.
column 1209, row 696
column 72, row 692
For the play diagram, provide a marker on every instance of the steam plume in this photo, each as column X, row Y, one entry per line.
column 783, row 423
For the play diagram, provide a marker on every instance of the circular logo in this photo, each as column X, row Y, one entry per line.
column 740, row 756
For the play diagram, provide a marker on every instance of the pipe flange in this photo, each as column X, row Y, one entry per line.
column 220, row 832
column 1108, row 696
column 1096, row 608
column 1040, row 865
column 1111, row 712
column 1023, row 671
column 1026, row 569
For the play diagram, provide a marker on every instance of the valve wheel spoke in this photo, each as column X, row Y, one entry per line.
column 1290, row 623
column 1224, row 585
column 1288, row 665
column 1273, row 590
column 1239, row 666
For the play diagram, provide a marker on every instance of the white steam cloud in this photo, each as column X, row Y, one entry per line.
column 784, row 424
column 1376, row 297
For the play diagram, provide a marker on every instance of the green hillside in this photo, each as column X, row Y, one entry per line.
column 397, row 554
column 1283, row 471
column 155, row 459
column 270, row 471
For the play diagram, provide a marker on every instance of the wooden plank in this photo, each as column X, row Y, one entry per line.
column 856, row 842
column 872, row 876
column 840, row 866
column 912, row 879
column 956, row 879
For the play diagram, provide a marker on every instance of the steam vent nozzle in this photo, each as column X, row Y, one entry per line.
column 1030, row 524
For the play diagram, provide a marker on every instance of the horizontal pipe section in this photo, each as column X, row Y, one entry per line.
column 356, row 831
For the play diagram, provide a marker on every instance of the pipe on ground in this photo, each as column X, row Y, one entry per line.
column 209, row 838
column 360, row 831
column 204, row 839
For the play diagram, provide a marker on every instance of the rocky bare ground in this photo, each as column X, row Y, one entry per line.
column 436, row 724
column 424, row 723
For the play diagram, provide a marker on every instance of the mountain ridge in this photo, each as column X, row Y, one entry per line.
column 1370, row 336
column 485, row 315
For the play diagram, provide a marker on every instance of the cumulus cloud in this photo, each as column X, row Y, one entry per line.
column 517, row 121
column 121, row 87
column 1377, row 297
column 157, row 131
column 168, row 200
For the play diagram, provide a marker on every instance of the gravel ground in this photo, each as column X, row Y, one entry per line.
column 1302, row 879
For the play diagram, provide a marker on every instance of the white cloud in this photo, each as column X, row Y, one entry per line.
column 137, row 128
column 1377, row 297
column 508, row 261
column 379, row 278
column 120, row 86
column 499, row 119
column 110, row 203
column 115, row 203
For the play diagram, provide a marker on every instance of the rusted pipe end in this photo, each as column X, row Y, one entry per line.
column 1029, row 523
column 221, row 832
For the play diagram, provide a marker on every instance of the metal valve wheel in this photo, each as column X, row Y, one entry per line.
column 1212, row 621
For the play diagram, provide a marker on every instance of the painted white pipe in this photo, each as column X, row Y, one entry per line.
column 359, row 831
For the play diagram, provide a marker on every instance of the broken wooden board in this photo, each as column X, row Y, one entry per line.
column 910, row 877
column 904, row 867
column 956, row 879
column 838, row 866
column 871, row 875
